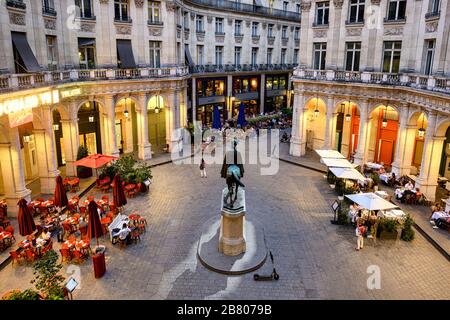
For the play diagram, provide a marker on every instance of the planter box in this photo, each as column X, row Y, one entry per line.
column 84, row 172
column 385, row 235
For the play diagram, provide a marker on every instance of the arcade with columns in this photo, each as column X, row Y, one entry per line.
column 403, row 128
column 130, row 117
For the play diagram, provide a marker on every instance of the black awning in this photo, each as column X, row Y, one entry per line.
column 84, row 42
column 188, row 56
column 19, row 40
column 125, row 54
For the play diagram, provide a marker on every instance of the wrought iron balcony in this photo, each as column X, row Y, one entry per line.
column 247, row 8
column 49, row 11
column 10, row 82
column 212, row 68
column 418, row 81
column 433, row 14
column 16, row 4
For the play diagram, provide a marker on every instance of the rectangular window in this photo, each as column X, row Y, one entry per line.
column 155, row 54
column 396, row 10
column 284, row 32
column 121, row 10
column 48, row 7
column 237, row 56
column 429, row 55
column 352, row 56
column 297, row 33
column 269, row 56
column 86, row 53
column 356, row 11
column 270, row 31
column 154, row 11
column 298, row 9
column 285, row 6
column 52, row 53
column 219, row 25
column 254, row 56
column 322, row 12
column 283, row 56
column 219, row 55
column 295, row 56
column 200, row 57
column 320, row 53
column 391, row 56
column 85, row 7
column 434, row 6
column 199, row 24
column 237, row 27
column 254, row 29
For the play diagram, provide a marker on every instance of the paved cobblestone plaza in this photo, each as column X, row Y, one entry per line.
column 314, row 258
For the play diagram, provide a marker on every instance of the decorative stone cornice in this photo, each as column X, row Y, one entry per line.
column 320, row 33
column 87, row 27
column 354, row 32
column 238, row 39
column 305, row 5
column 338, row 3
column 375, row 2
column 123, row 29
column 155, row 31
column 393, row 31
column 431, row 26
column 50, row 23
column 17, row 18
column 103, row 1
column 139, row 3
column 171, row 6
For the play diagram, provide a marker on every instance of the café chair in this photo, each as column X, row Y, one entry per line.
column 65, row 255
column 135, row 236
column 15, row 257
column 30, row 256
column 10, row 229
column 77, row 256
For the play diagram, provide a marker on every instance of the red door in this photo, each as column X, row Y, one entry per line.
column 386, row 151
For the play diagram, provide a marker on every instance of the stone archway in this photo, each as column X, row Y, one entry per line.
column 315, row 110
column 157, row 120
column 346, row 127
column 126, row 125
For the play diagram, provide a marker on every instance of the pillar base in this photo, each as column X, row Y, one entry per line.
column 48, row 183
column 427, row 188
column 145, row 152
column 232, row 239
column 71, row 170
column 297, row 149
column 399, row 170
column 11, row 201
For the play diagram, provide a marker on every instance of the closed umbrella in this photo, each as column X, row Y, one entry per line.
column 216, row 118
column 25, row 219
column 60, row 193
column 119, row 197
column 241, row 116
column 95, row 229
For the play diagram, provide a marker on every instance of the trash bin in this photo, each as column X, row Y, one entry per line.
column 98, row 260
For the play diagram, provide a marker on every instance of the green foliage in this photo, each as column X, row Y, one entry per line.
column 342, row 216
column 340, row 187
column 287, row 112
column 143, row 172
column 109, row 170
column 28, row 294
column 388, row 225
column 376, row 178
column 262, row 118
column 82, row 152
column 407, row 231
column 47, row 280
column 331, row 178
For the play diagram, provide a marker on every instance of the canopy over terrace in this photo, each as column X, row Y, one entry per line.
column 337, row 163
column 95, row 161
column 371, row 201
column 333, row 154
column 347, row 173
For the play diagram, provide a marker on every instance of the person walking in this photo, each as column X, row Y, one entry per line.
column 360, row 230
column 203, row 169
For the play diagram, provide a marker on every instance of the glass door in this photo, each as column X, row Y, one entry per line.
column 89, row 140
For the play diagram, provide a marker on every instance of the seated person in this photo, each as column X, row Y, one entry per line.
column 124, row 234
column 381, row 170
column 45, row 235
column 392, row 180
column 409, row 186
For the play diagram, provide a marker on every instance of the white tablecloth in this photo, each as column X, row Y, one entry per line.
column 439, row 214
column 373, row 165
column 385, row 177
column 395, row 214
column 382, row 194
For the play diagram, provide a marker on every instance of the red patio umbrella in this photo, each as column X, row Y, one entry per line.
column 60, row 193
column 95, row 229
column 119, row 197
column 25, row 219
column 95, row 161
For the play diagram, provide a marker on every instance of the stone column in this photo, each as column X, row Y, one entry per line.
column 335, row 29
column 111, row 126
column 361, row 152
column 194, row 99
column 305, row 31
column 405, row 140
column 69, row 126
column 262, row 91
column 46, row 157
column 229, row 94
column 298, row 140
column 13, row 172
column 172, row 118
column 329, row 122
column 144, row 146
column 431, row 158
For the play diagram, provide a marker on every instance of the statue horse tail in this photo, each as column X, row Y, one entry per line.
column 238, row 180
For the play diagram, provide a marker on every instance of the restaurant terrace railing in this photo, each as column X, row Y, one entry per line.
column 30, row 80
column 208, row 68
column 235, row 6
column 417, row 81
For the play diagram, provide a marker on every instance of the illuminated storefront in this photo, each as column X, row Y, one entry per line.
column 210, row 92
column 246, row 92
column 275, row 93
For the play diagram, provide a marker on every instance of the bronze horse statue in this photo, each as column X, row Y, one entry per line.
column 232, row 171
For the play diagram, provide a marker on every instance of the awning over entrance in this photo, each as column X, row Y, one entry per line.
column 19, row 40
column 125, row 54
column 85, row 42
column 188, row 56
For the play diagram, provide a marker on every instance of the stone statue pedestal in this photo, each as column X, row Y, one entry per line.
column 232, row 225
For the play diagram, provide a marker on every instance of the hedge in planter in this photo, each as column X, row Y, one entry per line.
column 83, row 172
column 407, row 231
column 387, row 229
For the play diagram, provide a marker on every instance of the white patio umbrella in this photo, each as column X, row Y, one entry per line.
column 347, row 173
column 334, row 154
column 371, row 201
column 338, row 163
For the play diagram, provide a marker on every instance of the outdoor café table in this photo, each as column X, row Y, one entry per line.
column 382, row 194
column 134, row 218
column 395, row 214
column 73, row 201
column 76, row 245
column 373, row 165
column 439, row 214
column 71, row 220
column 385, row 177
column 4, row 235
column 399, row 192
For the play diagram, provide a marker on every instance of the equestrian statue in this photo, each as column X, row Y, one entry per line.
column 232, row 171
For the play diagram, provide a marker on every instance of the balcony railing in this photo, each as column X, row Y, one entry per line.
column 432, row 83
column 432, row 14
column 211, row 68
column 49, row 11
column 11, row 82
column 16, row 4
column 248, row 8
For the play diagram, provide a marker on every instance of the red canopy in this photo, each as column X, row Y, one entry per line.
column 25, row 219
column 95, row 229
column 119, row 197
column 60, row 193
column 95, row 161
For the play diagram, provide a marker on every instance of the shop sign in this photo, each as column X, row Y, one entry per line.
column 70, row 93
column 14, row 106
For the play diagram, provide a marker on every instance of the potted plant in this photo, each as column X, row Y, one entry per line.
column 387, row 229
column 83, row 172
column 342, row 217
column 407, row 230
column 143, row 176
column 27, row 294
column 47, row 278
column 376, row 180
